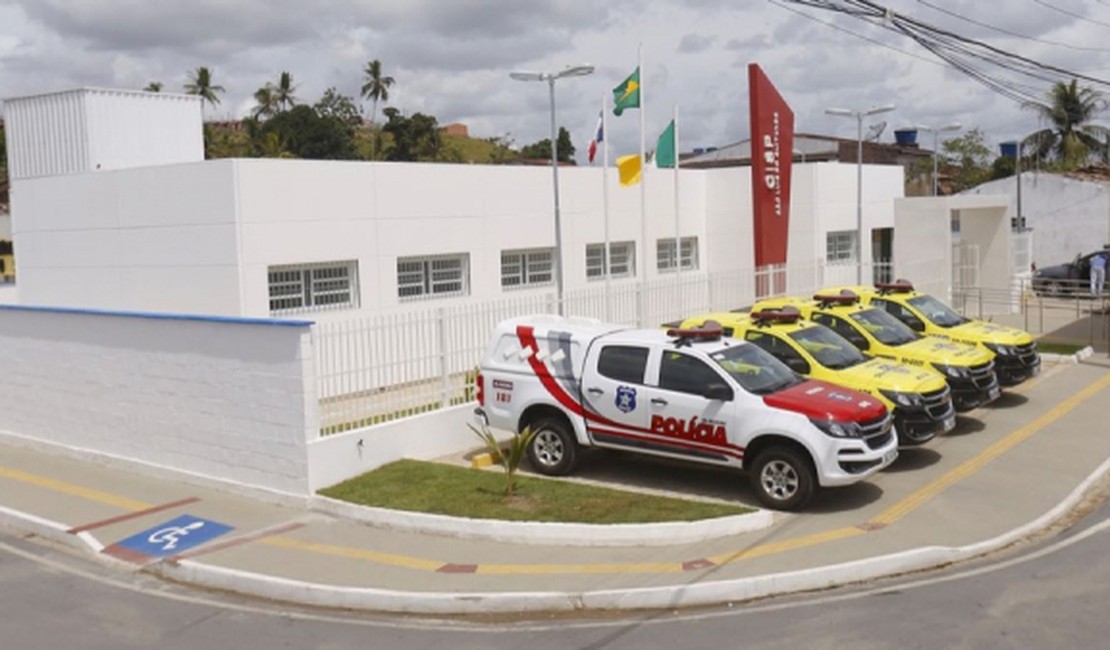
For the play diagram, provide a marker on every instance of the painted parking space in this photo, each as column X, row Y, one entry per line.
column 167, row 539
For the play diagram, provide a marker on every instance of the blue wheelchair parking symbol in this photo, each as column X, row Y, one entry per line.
column 174, row 537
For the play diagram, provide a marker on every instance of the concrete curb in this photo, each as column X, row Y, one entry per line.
column 686, row 595
column 47, row 529
column 1068, row 358
column 532, row 532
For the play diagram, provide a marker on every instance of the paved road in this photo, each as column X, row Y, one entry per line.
column 1051, row 593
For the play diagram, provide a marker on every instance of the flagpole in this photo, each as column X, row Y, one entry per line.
column 605, row 197
column 643, row 190
column 677, row 230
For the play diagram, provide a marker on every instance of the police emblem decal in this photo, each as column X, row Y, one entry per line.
column 626, row 399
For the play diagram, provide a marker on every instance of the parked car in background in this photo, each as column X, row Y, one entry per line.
column 1065, row 279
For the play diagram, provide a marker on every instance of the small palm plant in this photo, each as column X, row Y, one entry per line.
column 509, row 456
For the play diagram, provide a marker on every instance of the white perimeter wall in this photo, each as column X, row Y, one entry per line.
column 152, row 239
column 227, row 399
column 1068, row 216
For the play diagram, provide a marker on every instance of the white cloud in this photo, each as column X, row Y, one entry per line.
column 452, row 59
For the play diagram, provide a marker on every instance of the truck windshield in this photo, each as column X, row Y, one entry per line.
column 829, row 348
column 887, row 329
column 937, row 312
column 757, row 371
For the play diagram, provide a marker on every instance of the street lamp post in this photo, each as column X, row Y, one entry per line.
column 859, row 115
column 936, row 131
column 551, row 78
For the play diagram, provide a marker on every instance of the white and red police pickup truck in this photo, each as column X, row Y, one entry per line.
column 687, row 394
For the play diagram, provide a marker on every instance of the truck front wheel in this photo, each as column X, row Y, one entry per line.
column 782, row 479
column 553, row 450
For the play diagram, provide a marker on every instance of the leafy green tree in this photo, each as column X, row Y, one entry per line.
column 306, row 134
column 154, row 87
column 375, row 85
column 200, row 83
column 1070, row 138
column 265, row 105
column 283, row 92
column 967, row 160
column 415, row 138
column 341, row 107
column 542, row 149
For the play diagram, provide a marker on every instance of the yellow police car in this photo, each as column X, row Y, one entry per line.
column 919, row 398
column 1016, row 352
column 969, row 370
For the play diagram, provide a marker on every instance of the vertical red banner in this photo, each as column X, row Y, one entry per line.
column 772, row 127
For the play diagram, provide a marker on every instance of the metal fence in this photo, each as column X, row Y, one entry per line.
column 381, row 367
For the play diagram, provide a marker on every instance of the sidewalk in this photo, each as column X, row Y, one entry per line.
column 1006, row 471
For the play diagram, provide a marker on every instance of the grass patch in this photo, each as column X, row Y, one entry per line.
column 1058, row 348
column 464, row 492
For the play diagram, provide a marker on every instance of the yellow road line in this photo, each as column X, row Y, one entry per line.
column 564, row 569
column 355, row 553
column 968, row 467
column 73, row 489
column 786, row 545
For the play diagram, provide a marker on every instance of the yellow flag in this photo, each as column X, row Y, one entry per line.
column 629, row 167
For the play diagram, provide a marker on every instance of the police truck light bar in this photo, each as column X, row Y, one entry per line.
column 898, row 286
column 787, row 314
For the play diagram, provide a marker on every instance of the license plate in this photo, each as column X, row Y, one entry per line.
column 950, row 423
column 889, row 456
column 994, row 393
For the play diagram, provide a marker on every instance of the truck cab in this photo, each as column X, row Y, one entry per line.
column 1016, row 357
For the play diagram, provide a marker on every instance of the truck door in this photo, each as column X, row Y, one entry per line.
column 691, row 409
column 612, row 394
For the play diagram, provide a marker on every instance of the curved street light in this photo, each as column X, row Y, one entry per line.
column 551, row 78
column 859, row 115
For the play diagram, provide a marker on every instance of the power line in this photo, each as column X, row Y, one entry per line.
column 856, row 34
column 980, row 61
column 1072, row 14
column 1008, row 32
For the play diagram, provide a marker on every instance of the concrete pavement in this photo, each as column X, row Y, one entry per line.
column 1006, row 471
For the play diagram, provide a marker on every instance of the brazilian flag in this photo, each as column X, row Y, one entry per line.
column 627, row 95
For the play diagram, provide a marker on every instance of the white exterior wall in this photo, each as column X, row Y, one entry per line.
column 234, row 400
column 155, row 239
column 90, row 129
column 199, row 238
column 1068, row 216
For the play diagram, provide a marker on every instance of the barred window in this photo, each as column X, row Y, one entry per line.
column 527, row 267
column 300, row 288
column 435, row 276
column 664, row 254
column 622, row 260
column 841, row 246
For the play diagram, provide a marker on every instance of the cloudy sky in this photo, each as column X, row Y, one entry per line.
column 452, row 58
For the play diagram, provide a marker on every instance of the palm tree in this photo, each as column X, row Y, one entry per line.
column 283, row 91
column 267, row 104
column 375, row 86
column 200, row 83
column 1070, row 138
column 154, row 87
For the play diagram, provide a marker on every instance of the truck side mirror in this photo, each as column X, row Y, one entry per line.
column 718, row 391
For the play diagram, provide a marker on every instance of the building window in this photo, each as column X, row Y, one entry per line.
column 313, row 287
column 841, row 246
column 527, row 268
column 622, row 260
column 435, row 276
column 664, row 254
